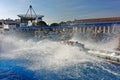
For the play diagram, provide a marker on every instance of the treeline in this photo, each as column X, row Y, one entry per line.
column 43, row 23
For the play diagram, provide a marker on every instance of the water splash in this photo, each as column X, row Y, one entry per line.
column 53, row 60
column 91, row 44
column 42, row 54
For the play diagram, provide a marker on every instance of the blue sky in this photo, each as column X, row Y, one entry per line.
column 61, row 10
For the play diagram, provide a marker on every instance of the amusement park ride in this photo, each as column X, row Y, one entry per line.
column 30, row 17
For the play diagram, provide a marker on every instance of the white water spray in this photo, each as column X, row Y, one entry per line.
column 89, row 43
column 48, row 55
column 42, row 54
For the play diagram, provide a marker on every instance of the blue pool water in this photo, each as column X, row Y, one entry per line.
column 49, row 60
column 85, row 71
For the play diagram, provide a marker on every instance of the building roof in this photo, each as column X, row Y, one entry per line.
column 9, row 22
column 98, row 20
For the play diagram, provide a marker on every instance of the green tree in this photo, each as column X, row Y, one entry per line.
column 42, row 23
column 62, row 23
column 54, row 24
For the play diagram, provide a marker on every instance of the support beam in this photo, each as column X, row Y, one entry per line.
column 80, row 30
column 108, row 31
column 95, row 30
column 104, row 29
column 113, row 29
